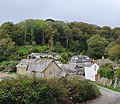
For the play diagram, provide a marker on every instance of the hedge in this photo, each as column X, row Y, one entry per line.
column 46, row 91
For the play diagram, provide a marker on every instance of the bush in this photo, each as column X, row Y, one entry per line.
column 9, row 65
column 117, row 73
column 85, row 90
column 106, row 71
column 50, row 91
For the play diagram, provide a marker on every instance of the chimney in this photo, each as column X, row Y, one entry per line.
column 93, row 61
column 28, row 57
column 103, row 57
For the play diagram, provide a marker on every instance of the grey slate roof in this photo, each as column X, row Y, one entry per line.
column 104, row 61
column 80, row 59
column 39, row 55
column 35, row 64
column 39, row 65
column 89, row 65
column 69, row 67
column 24, row 62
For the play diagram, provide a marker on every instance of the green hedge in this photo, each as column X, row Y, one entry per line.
column 46, row 91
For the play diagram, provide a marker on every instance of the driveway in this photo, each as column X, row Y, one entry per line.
column 107, row 97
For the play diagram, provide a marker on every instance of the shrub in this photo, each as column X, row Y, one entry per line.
column 84, row 89
column 9, row 65
column 46, row 91
column 117, row 73
column 106, row 71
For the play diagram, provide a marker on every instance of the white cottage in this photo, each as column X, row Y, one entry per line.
column 91, row 71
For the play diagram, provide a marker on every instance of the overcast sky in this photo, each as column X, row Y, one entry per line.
column 99, row 12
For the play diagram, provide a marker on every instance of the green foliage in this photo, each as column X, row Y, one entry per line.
column 111, row 88
column 9, row 64
column 23, row 51
column 117, row 73
column 64, row 57
column 84, row 89
column 7, row 49
column 114, row 53
column 50, row 91
column 74, row 36
column 96, row 46
column 106, row 71
column 58, row 47
column 42, row 48
column 74, row 46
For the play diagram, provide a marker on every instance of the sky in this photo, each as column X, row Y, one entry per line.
column 99, row 12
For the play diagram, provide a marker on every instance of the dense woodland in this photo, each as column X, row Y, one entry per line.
column 58, row 36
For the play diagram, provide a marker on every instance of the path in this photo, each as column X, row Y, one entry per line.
column 108, row 97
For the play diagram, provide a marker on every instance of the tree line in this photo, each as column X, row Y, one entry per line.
column 60, row 36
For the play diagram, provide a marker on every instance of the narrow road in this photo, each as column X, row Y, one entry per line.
column 107, row 97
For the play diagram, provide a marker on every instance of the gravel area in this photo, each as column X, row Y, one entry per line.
column 5, row 75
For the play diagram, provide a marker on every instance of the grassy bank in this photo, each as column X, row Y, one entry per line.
column 46, row 91
column 117, row 89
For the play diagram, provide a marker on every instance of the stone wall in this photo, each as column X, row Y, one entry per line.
column 109, row 82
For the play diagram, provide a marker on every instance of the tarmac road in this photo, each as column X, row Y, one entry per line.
column 107, row 97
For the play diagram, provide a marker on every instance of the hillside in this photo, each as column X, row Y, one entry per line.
column 17, row 40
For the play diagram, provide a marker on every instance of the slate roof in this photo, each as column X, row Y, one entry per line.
column 35, row 64
column 69, row 67
column 89, row 65
column 80, row 59
column 104, row 61
column 39, row 55
column 24, row 62
column 39, row 65
column 58, row 63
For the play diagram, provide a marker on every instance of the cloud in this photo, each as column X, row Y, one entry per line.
column 100, row 12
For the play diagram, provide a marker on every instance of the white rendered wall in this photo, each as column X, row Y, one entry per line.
column 90, row 72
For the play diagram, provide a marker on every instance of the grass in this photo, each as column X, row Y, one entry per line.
column 117, row 89
column 6, row 63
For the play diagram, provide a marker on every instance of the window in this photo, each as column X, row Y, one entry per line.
column 50, row 73
column 95, row 68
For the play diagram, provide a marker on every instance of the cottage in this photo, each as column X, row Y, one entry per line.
column 91, row 71
column 42, row 68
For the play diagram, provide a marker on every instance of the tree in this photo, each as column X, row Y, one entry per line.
column 106, row 32
column 96, row 46
column 18, row 35
column 74, row 46
column 106, row 71
column 7, row 49
column 52, row 31
column 116, row 32
column 114, row 52
column 68, row 34
column 6, row 30
column 58, row 47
